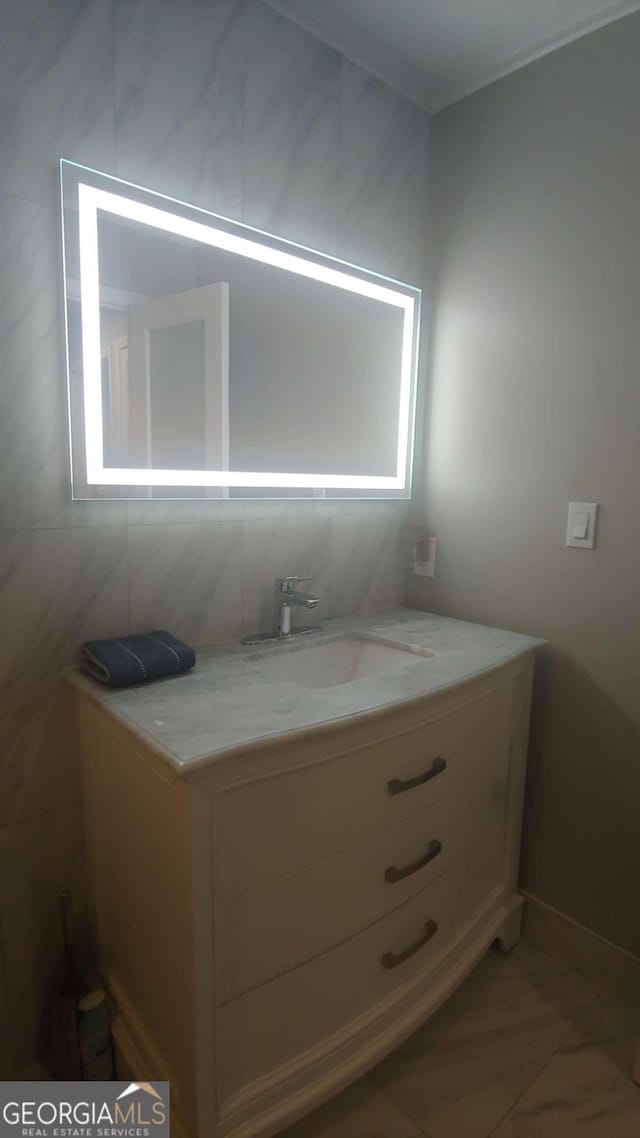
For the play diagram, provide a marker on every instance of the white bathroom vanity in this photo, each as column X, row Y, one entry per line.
column 297, row 853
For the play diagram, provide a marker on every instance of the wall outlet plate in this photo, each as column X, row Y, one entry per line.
column 427, row 568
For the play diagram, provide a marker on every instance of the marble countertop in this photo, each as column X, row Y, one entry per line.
column 227, row 702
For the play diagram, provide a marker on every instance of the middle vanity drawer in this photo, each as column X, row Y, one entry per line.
column 271, row 826
column 282, row 923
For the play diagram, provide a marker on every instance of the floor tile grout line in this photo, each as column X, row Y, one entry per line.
column 524, row 1091
column 395, row 1102
column 535, row 1078
column 565, row 1036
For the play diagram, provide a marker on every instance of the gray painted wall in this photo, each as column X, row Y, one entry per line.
column 536, row 402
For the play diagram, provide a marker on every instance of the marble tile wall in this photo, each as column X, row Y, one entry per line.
column 224, row 103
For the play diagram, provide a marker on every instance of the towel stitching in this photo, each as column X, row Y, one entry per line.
column 165, row 645
column 94, row 662
column 132, row 653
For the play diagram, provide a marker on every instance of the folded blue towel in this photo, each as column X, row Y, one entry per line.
column 135, row 659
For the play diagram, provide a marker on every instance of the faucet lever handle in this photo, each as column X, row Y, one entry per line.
column 287, row 583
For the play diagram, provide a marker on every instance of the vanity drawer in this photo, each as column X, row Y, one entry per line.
column 272, row 826
column 277, row 1022
column 275, row 927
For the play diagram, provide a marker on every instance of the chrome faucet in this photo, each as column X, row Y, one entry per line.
column 290, row 597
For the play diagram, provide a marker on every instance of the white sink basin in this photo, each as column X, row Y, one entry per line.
column 343, row 661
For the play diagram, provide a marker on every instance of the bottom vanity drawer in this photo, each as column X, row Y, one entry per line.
column 272, row 1025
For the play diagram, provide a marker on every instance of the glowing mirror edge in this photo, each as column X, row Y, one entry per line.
column 90, row 200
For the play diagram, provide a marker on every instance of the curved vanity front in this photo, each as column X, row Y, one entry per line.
column 277, row 909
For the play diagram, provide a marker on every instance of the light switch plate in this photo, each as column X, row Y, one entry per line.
column 581, row 525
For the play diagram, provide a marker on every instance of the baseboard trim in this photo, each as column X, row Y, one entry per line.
column 612, row 969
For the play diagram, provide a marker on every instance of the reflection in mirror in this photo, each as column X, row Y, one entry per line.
column 206, row 358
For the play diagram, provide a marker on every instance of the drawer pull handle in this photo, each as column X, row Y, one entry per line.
column 397, row 786
column 393, row 874
column 392, row 959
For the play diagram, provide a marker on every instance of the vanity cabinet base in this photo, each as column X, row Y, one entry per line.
column 511, row 929
column 183, row 868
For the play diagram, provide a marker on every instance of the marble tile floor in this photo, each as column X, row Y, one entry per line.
column 524, row 1049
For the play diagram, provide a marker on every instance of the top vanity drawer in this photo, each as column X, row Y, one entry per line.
column 271, row 826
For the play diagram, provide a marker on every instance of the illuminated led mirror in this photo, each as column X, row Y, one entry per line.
column 208, row 359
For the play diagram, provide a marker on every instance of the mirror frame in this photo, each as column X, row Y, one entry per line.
column 96, row 192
